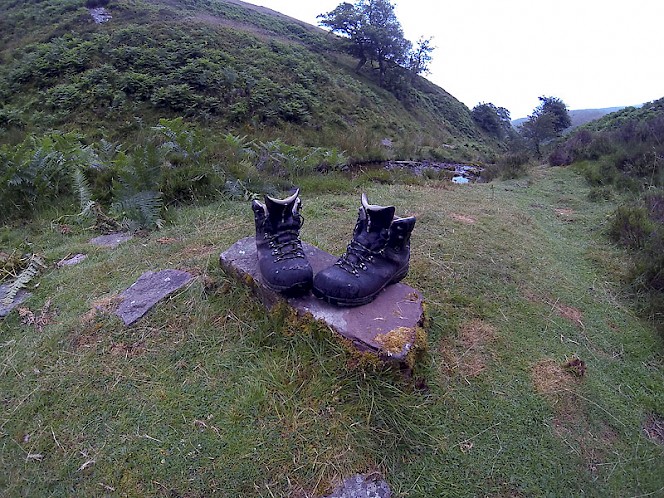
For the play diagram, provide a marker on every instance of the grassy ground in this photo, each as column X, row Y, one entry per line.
column 209, row 396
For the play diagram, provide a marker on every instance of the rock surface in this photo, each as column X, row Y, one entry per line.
column 387, row 326
column 111, row 241
column 100, row 15
column 148, row 290
column 362, row 486
column 71, row 261
column 21, row 296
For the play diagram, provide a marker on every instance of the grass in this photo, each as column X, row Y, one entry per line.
column 208, row 395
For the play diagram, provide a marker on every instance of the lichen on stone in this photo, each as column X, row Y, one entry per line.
column 396, row 340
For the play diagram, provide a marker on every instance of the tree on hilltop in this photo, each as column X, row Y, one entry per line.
column 376, row 36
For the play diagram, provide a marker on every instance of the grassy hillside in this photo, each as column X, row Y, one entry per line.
column 226, row 65
column 540, row 379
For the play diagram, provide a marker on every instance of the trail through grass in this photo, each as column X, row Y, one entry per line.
column 209, row 396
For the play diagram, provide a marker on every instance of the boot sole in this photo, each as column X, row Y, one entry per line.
column 292, row 290
column 398, row 277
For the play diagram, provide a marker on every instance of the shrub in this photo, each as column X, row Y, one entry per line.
column 631, row 226
column 65, row 97
column 600, row 194
column 174, row 97
column 561, row 156
column 91, row 4
column 507, row 167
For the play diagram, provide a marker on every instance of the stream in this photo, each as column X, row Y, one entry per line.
column 459, row 173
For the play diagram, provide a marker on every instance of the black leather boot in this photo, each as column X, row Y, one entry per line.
column 281, row 259
column 377, row 256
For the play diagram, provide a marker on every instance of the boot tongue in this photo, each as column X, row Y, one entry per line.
column 374, row 224
column 281, row 212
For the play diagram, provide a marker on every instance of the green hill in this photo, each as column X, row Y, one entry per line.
column 226, row 65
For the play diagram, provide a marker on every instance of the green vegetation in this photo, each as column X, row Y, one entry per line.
column 547, row 122
column 494, row 120
column 543, row 376
column 175, row 164
column 208, row 395
column 622, row 154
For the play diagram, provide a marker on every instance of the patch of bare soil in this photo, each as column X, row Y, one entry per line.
column 38, row 319
column 104, row 305
column 550, row 377
column 89, row 335
column 469, row 353
column 654, row 429
column 463, row 218
column 127, row 350
column 195, row 251
column 570, row 313
column 87, row 338
column 566, row 214
column 166, row 240
column 571, row 424
column 563, row 310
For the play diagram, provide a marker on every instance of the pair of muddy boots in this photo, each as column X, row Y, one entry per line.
column 378, row 254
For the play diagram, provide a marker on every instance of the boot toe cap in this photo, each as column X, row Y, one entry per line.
column 287, row 276
column 336, row 284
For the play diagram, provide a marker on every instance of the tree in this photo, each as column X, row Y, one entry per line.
column 420, row 56
column 376, row 36
column 546, row 122
column 494, row 120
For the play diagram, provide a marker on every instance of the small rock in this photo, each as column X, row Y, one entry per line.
column 100, row 15
column 21, row 296
column 148, row 290
column 111, row 241
column 363, row 486
column 71, row 261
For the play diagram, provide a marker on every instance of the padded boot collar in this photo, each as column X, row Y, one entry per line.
column 378, row 217
column 281, row 206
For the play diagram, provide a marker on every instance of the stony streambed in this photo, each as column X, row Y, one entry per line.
column 461, row 173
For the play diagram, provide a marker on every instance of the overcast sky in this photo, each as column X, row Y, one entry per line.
column 589, row 53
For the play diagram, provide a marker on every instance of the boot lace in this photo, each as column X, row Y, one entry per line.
column 285, row 243
column 361, row 256
column 290, row 248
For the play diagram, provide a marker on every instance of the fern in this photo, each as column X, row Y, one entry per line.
column 31, row 271
column 142, row 210
column 83, row 189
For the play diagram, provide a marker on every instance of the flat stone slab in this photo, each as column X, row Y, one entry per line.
column 387, row 326
column 112, row 240
column 72, row 260
column 362, row 486
column 148, row 290
column 21, row 296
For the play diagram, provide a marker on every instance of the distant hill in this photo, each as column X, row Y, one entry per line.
column 225, row 64
column 579, row 116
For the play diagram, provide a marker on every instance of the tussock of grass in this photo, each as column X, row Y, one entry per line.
column 208, row 395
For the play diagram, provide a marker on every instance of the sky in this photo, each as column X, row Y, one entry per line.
column 589, row 53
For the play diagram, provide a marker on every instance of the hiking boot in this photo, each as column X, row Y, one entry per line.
column 378, row 255
column 281, row 259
